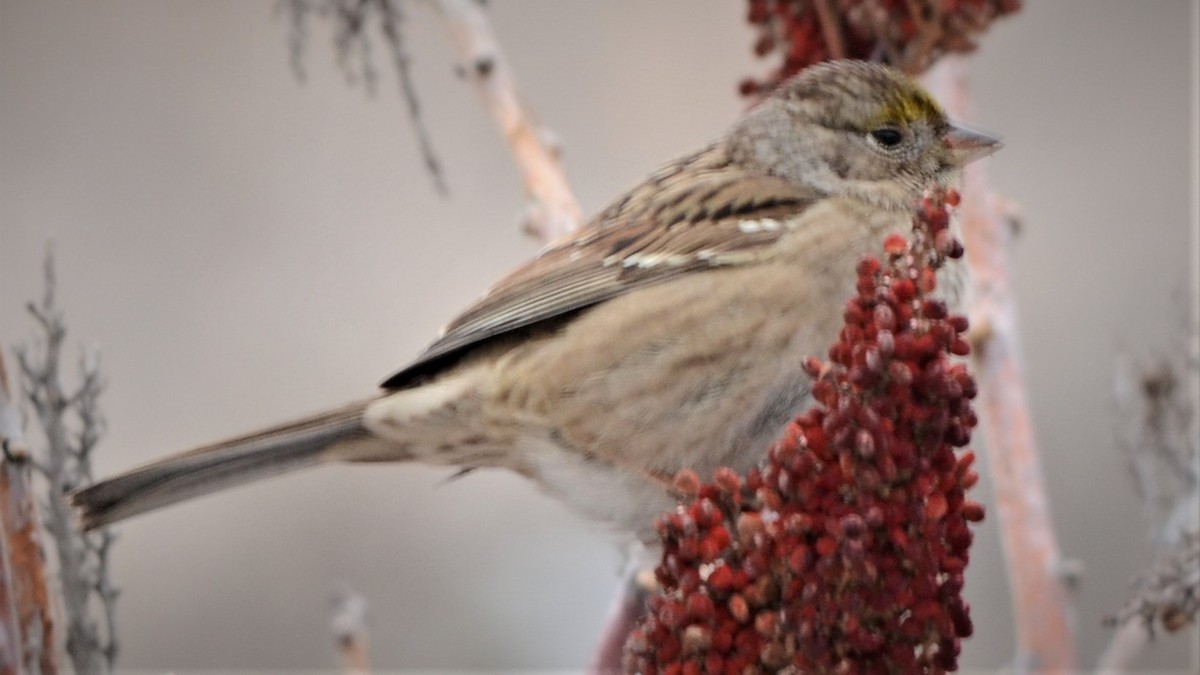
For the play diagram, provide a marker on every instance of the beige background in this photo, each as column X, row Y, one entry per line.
column 246, row 248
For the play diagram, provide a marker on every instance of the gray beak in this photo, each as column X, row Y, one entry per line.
column 967, row 145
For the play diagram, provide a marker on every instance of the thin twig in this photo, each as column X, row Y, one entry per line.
column 831, row 29
column 1128, row 641
column 392, row 20
column 553, row 209
column 1042, row 607
column 882, row 29
column 349, row 625
column 1158, row 409
column 919, row 53
column 1155, row 413
column 353, row 22
column 72, row 424
column 637, row 582
column 1166, row 597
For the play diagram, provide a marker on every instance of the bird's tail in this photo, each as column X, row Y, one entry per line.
column 210, row 468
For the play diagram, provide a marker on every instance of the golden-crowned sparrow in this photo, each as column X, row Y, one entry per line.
column 667, row 333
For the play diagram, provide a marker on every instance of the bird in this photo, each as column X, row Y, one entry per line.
column 667, row 333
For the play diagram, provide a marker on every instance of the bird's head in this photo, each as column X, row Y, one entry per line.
column 857, row 129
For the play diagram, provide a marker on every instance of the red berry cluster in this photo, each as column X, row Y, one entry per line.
column 868, row 29
column 844, row 552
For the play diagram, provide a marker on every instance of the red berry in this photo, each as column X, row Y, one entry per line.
column 895, row 244
column 739, row 609
column 972, row 511
column 721, row 578
column 687, row 482
column 868, row 266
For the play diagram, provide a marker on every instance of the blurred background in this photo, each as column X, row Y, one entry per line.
column 245, row 248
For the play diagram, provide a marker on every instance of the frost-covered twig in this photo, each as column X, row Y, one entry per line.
column 349, row 625
column 553, row 210
column 1166, row 597
column 72, row 424
column 831, row 29
column 1042, row 607
column 352, row 22
column 1156, row 414
column 1158, row 417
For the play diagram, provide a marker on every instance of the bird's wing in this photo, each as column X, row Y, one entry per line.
column 699, row 213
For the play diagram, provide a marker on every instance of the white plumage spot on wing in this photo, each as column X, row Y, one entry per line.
column 731, row 257
column 649, row 260
column 760, row 225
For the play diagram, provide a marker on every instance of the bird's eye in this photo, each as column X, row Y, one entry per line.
column 887, row 137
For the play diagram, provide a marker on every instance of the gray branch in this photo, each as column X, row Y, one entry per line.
column 72, row 424
column 354, row 24
column 1158, row 434
column 1158, row 413
column 1168, row 594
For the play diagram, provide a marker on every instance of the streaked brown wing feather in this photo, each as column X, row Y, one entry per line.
column 687, row 217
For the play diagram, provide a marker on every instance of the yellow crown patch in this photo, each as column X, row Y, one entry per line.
column 910, row 105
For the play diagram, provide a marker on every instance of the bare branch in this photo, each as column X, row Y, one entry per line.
column 1156, row 410
column 1041, row 603
column 297, row 12
column 392, row 20
column 71, row 424
column 831, row 29
column 1158, row 407
column 1168, row 595
column 349, row 625
column 353, row 21
column 553, row 209
column 920, row 52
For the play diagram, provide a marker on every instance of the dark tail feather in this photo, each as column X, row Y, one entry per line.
column 210, row 468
